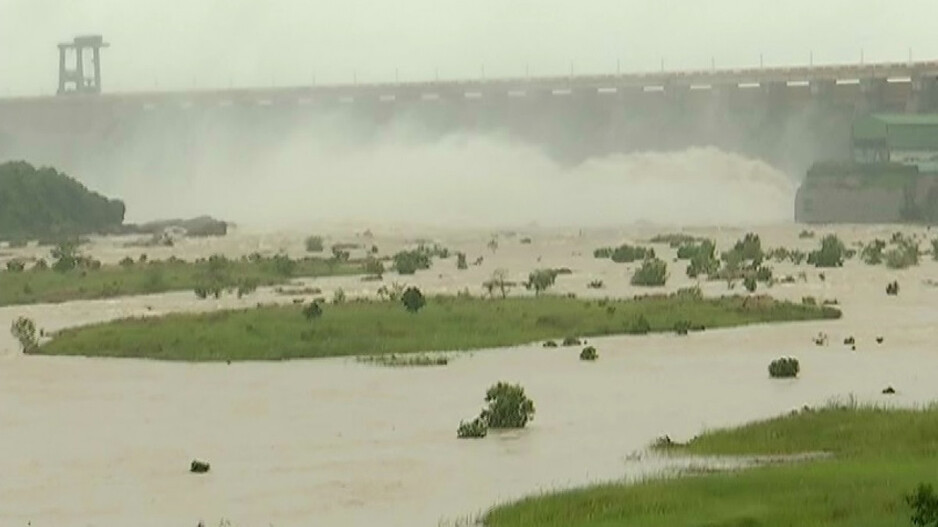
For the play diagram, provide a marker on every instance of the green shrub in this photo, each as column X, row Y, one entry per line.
column 872, row 253
column 749, row 283
column 704, row 248
column 603, row 252
column 905, row 254
column 24, row 331
column 65, row 256
column 312, row 311
column 549, row 344
column 831, row 253
column 15, row 266
column 246, row 286
column 806, row 234
column 314, row 244
column 40, row 265
column 126, row 262
column 413, row 300
column 571, row 341
column 785, row 367
column 924, row 504
column 747, row 249
column 283, row 265
column 338, row 296
column 475, row 429
column 640, row 326
column 653, row 272
column 508, row 406
column 374, row 266
column 461, row 262
column 682, row 327
column 589, row 353
column 541, row 280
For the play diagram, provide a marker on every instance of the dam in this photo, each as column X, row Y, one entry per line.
column 787, row 116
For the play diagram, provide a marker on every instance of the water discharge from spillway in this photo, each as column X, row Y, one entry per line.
column 464, row 180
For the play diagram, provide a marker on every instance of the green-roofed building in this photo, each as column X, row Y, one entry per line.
column 908, row 139
column 892, row 177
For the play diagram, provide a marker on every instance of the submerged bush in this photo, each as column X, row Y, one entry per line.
column 409, row 262
column 872, row 253
column 475, row 429
column 314, row 244
column 571, row 341
column 595, row 284
column 785, row 367
column 892, row 288
column 508, row 406
column 461, row 262
column 589, row 353
column 652, row 273
column 831, row 253
column 905, row 254
column 627, row 254
column 541, row 280
column 24, row 331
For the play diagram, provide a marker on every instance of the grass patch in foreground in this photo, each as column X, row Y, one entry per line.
column 376, row 327
column 49, row 286
column 879, row 457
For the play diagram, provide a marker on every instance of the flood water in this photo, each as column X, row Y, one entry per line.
column 334, row 442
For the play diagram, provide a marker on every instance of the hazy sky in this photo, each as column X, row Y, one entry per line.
column 216, row 43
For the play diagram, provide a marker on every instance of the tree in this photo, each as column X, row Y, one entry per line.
column 499, row 281
column 413, row 300
column 508, row 406
column 541, row 280
column 24, row 331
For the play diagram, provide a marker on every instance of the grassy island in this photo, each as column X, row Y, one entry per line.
column 383, row 327
column 878, row 457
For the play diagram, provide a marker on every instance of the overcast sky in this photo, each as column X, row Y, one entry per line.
column 173, row 44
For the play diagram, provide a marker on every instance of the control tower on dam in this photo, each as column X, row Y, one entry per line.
column 788, row 117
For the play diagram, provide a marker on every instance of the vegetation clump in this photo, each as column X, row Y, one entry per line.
column 570, row 341
column 199, row 467
column 675, row 240
column 595, row 284
column 314, row 244
column 924, row 504
column 872, row 253
column 589, row 353
column 407, row 360
column 549, row 344
column 461, row 262
column 652, row 273
column 508, row 406
column 540, row 280
column 785, row 367
column 312, row 311
column 905, row 254
column 475, row 429
column 409, row 262
column 831, row 253
column 24, row 331
column 413, row 300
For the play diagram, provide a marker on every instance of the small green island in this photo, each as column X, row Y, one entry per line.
column 445, row 323
column 876, row 461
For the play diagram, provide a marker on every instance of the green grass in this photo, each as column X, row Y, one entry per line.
column 409, row 360
column 48, row 286
column 373, row 327
column 879, row 456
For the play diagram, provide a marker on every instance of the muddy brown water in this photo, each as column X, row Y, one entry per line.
column 108, row 441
